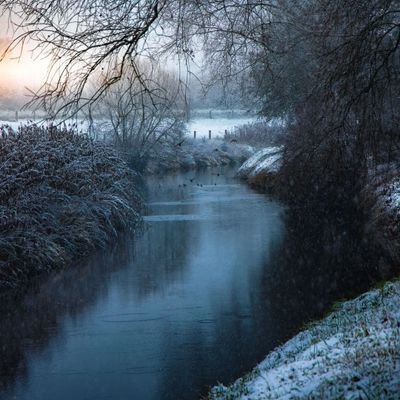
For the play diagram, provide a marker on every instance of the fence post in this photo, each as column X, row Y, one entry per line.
column 16, row 115
column 194, row 135
column 226, row 133
column 209, row 134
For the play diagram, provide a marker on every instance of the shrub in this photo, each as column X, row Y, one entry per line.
column 61, row 195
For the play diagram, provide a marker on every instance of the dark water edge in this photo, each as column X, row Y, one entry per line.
column 321, row 263
column 217, row 280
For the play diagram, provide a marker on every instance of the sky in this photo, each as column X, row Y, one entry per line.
column 16, row 72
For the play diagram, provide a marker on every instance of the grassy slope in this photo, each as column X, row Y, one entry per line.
column 354, row 353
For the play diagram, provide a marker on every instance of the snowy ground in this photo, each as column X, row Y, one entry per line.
column 267, row 160
column 354, row 353
column 217, row 126
column 200, row 125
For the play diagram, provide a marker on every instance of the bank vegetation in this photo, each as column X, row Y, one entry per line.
column 62, row 195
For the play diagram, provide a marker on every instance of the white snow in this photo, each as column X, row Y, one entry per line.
column 265, row 160
column 217, row 126
column 354, row 353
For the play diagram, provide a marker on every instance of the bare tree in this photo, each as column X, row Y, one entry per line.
column 144, row 113
column 85, row 38
column 82, row 39
column 348, row 52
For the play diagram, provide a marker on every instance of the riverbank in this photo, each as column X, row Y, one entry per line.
column 64, row 195
column 191, row 154
column 355, row 351
column 61, row 196
column 261, row 169
column 352, row 353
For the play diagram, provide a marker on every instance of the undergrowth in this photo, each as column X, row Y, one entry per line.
column 61, row 196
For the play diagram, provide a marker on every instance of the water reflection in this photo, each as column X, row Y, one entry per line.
column 163, row 319
column 29, row 320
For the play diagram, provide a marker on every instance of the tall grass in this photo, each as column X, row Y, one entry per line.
column 61, row 196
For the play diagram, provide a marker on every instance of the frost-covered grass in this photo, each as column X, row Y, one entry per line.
column 61, row 195
column 354, row 353
column 102, row 129
column 200, row 153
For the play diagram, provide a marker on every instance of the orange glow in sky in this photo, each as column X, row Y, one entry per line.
column 25, row 72
column 16, row 73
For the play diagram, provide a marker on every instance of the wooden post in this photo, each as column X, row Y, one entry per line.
column 194, row 135
column 226, row 133
column 209, row 134
column 16, row 115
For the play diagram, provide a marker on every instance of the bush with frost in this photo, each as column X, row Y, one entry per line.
column 61, row 195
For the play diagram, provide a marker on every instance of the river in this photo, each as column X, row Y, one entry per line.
column 162, row 316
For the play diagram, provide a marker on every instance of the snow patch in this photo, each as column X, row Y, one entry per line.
column 265, row 160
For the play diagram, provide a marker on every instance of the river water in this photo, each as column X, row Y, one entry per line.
column 162, row 316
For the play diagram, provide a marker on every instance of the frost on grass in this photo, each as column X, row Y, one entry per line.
column 200, row 153
column 61, row 195
column 354, row 353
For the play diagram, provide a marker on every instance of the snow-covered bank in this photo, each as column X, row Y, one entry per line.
column 354, row 353
column 261, row 169
column 268, row 160
column 200, row 153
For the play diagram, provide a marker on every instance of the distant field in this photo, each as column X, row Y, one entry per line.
column 201, row 122
column 216, row 125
